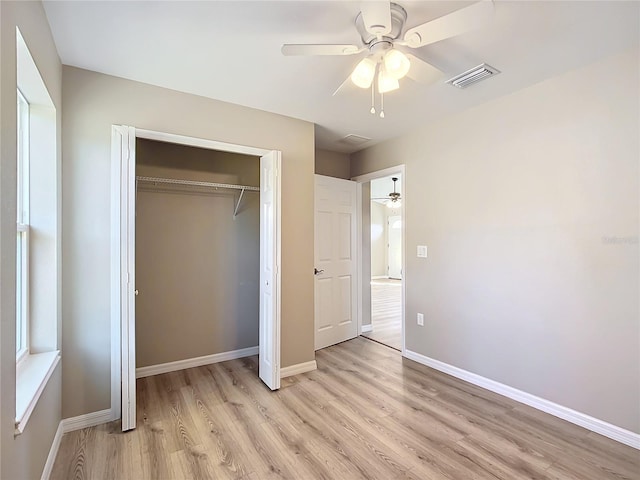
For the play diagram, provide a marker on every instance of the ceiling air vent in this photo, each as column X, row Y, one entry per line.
column 352, row 139
column 472, row 76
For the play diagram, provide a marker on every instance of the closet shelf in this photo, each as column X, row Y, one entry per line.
column 195, row 183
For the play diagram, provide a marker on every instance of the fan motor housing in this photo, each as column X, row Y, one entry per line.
column 398, row 17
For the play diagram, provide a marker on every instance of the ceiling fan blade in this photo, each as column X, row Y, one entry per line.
column 343, row 86
column 423, row 72
column 289, row 49
column 456, row 23
column 376, row 16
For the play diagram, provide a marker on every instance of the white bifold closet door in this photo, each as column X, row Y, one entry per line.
column 270, row 269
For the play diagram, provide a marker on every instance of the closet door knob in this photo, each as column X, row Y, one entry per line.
column 135, row 292
column 317, row 272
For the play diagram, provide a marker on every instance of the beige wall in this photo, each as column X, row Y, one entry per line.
column 92, row 103
column 333, row 164
column 378, row 230
column 23, row 456
column 529, row 207
column 197, row 266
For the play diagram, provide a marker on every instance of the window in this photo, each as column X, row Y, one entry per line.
column 37, row 277
column 22, row 242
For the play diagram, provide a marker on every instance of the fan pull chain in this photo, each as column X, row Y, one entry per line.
column 382, row 105
column 373, row 108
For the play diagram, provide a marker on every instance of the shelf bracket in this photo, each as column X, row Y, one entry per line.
column 235, row 212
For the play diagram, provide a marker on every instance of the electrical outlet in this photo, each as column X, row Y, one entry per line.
column 420, row 319
column 422, row 251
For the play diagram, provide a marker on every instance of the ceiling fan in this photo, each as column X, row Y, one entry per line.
column 393, row 199
column 380, row 25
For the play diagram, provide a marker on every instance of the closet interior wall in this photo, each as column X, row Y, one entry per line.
column 197, row 266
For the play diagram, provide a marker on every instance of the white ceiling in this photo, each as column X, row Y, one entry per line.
column 230, row 50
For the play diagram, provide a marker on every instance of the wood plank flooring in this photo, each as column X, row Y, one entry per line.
column 365, row 413
column 386, row 312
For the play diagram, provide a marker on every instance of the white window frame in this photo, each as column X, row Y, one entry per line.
column 22, row 227
column 38, row 209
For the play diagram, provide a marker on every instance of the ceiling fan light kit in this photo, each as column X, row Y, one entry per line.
column 380, row 25
column 386, row 83
column 364, row 72
column 396, row 64
column 393, row 199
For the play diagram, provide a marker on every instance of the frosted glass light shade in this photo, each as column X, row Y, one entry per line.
column 396, row 64
column 386, row 83
column 364, row 72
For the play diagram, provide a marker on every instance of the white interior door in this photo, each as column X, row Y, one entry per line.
column 270, row 269
column 335, row 261
column 394, row 232
column 123, row 147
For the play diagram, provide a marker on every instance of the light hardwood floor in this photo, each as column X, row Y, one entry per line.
column 365, row 413
column 386, row 312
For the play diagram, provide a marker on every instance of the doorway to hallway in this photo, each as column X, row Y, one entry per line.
column 386, row 260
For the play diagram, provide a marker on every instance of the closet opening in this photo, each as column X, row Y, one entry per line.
column 197, row 257
column 195, row 270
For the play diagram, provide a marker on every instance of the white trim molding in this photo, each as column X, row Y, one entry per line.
column 367, row 328
column 298, row 368
column 142, row 372
column 32, row 375
column 85, row 421
column 578, row 418
column 53, row 453
column 200, row 142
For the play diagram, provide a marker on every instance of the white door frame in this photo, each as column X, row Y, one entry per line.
column 367, row 177
column 123, row 196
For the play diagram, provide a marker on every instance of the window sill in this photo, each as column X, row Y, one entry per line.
column 32, row 374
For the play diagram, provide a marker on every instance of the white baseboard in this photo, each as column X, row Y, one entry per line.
column 298, row 368
column 586, row 421
column 53, row 453
column 85, row 421
column 195, row 362
column 366, row 328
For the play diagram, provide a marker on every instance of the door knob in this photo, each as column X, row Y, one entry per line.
column 317, row 272
column 136, row 292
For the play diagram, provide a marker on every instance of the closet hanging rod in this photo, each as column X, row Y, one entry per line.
column 194, row 183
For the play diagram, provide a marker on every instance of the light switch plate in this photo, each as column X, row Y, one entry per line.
column 422, row 251
column 420, row 319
